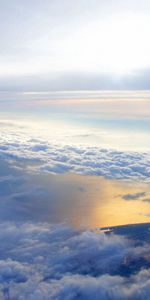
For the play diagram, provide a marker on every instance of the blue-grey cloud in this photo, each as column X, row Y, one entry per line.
column 135, row 196
column 75, row 81
column 41, row 261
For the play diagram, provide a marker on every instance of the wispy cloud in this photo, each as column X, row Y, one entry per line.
column 135, row 196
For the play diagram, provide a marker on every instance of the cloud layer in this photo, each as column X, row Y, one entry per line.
column 17, row 145
column 41, row 261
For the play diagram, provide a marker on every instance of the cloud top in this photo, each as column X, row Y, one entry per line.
column 20, row 146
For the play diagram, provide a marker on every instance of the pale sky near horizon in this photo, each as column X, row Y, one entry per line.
column 67, row 44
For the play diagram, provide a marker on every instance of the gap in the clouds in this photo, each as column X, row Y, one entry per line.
column 88, row 201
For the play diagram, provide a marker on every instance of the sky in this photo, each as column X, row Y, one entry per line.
column 74, row 149
column 74, row 45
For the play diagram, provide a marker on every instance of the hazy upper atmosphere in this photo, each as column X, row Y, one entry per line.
column 74, row 45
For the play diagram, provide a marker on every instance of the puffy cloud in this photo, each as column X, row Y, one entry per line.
column 49, row 156
column 42, row 261
column 105, row 287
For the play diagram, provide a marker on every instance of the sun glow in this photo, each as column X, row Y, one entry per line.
column 119, row 44
column 115, row 45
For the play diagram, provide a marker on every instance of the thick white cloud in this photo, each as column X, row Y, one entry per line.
column 41, row 261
